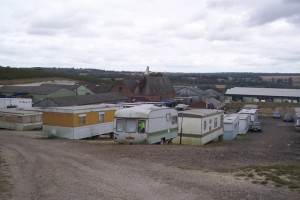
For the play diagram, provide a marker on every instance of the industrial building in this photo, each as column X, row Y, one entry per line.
column 245, row 94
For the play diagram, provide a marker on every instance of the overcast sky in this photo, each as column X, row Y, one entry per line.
column 167, row 35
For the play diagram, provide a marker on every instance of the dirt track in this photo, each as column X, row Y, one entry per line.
column 64, row 169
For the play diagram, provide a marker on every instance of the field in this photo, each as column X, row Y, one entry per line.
column 296, row 79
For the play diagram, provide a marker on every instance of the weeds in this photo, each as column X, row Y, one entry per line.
column 278, row 175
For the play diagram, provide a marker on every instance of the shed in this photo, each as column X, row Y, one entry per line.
column 199, row 126
column 78, row 122
column 19, row 119
column 231, row 126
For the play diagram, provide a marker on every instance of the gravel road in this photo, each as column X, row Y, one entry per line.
column 65, row 169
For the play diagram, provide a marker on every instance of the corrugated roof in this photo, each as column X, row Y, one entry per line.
column 43, row 89
column 275, row 92
column 192, row 88
column 110, row 97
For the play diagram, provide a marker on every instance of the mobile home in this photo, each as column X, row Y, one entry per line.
column 297, row 119
column 199, row 126
column 15, row 103
column 19, row 119
column 145, row 124
column 244, row 123
column 78, row 122
column 253, row 114
column 231, row 126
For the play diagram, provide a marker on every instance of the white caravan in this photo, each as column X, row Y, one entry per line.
column 145, row 124
column 244, row 123
column 252, row 112
column 15, row 103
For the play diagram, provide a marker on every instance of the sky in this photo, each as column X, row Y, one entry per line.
column 166, row 35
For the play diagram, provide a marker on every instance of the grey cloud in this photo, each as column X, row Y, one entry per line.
column 288, row 10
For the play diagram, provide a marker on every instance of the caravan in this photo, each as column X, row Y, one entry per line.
column 145, row 124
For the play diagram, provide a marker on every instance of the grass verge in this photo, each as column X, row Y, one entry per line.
column 277, row 175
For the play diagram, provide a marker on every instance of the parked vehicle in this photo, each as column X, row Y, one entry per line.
column 288, row 118
column 255, row 127
column 276, row 115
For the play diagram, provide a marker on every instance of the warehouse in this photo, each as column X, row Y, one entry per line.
column 244, row 94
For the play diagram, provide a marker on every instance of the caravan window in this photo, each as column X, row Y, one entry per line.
column 130, row 125
column 119, row 125
column 174, row 120
column 101, row 117
column 215, row 122
column 141, row 126
column 204, row 127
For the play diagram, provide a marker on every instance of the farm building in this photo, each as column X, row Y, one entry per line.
column 244, row 123
column 15, row 103
column 77, row 88
column 77, row 122
column 17, row 119
column 152, row 87
column 231, row 126
column 245, row 94
column 199, row 126
column 209, row 103
column 195, row 94
column 81, row 100
column 37, row 93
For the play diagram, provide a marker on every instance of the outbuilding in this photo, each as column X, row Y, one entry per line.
column 199, row 126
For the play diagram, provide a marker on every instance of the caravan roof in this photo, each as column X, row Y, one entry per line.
column 229, row 118
column 141, row 111
column 247, row 111
column 200, row 113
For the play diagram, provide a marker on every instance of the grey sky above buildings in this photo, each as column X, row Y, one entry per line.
column 167, row 35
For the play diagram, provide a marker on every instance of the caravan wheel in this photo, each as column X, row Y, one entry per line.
column 162, row 141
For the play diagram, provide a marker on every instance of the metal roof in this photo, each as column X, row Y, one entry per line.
column 83, row 109
column 275, row 92
column 200, row 113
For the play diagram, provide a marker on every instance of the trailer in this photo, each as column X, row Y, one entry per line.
column 244, row 123
column 199, row 126
column 20, row 119
column 253, row 114
column 15, row 103
column 145, row 124
column 231, row 126
column 78, row 122
column 297, row 119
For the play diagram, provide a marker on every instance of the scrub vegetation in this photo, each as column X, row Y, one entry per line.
column 277, row 175
column 4, row 177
